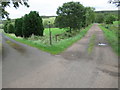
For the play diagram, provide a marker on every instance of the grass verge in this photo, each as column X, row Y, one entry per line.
column 91, row 44
column 55, row 48
column 112, row 39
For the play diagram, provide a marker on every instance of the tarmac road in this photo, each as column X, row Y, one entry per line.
column 0, row 61
column 28, row 67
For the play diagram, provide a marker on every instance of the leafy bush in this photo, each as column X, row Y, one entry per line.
column 8, row 27
column 109, row 19
column 100, row 18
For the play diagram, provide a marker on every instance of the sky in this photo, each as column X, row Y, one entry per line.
column 49, row 7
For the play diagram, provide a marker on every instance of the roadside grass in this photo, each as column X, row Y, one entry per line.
column 91, row 43
column 112, row 39
column 116, row 23
column 57, row 47
column 113, row 27
column 1, row 30
column 1, row 26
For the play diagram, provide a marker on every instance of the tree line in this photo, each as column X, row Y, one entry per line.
column 72, row 15
column 106, row 16
column 26, row 26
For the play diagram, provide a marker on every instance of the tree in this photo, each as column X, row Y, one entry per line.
column 89, row 16
column 70, row 15
column 15, row 3
column 18, row 27
column 10, row 28
column 26, row 26
column 6, row 24
column 5, row 28
column 116, row 2
column 109, row 19
column 32, row 24
column 99, row 18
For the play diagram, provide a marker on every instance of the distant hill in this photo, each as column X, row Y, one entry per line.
column 112, row 11
column 47, row 16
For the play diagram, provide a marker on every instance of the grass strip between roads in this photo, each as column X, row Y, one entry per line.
column 91, row 44
column 112, row 39
column 56, row 48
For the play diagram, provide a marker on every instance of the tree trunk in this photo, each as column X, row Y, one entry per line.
column 70, row 30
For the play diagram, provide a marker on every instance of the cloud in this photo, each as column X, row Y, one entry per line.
column 49, row 7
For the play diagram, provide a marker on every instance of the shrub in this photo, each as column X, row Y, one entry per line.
column 109, row 19
column 32, row 24
column 10, row 28
column 5, row 28
column 18, row 27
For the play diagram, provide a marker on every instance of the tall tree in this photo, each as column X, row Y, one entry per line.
column 10, row 28
column 32, row 24
column 16, row 4
column 26, row 26
column 70, row 15
column 18, row 27
column 89, row 15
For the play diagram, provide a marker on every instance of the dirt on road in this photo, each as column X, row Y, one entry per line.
column 74, row 68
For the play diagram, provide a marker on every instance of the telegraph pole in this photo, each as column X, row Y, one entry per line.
column 50, row 36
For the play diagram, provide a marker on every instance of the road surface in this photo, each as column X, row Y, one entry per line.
column 0, row 60
column 28, row 67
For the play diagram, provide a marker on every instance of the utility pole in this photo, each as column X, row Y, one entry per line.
column 50, row 36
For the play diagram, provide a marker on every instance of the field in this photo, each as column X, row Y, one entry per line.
column 57, row 47
column 112, row 34
column 51, row 19
column 47, row 20
column 55, row 31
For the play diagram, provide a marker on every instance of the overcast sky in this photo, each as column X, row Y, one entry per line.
column 49, row 7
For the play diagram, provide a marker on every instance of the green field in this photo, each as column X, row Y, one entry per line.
column 57, row 47
column 51, row 19
column 47, row 20
column 54, row 31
